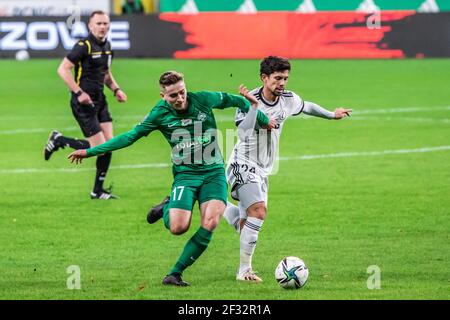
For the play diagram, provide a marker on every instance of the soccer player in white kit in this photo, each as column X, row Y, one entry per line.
column 253, row 156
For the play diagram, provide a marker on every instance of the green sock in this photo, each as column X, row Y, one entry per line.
column 192, row 250
column 166, row 216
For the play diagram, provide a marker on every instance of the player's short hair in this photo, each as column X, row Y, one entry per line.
column 273, row 64
column 169, row 78
column 93, row 13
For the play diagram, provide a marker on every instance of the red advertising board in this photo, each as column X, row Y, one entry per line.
column 322, row 35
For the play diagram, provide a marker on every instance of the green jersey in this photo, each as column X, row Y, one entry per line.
column 191, row 134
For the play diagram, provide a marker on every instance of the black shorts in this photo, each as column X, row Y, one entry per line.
column 90, row 117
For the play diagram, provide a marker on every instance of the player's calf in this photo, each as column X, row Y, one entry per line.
column 231, row 215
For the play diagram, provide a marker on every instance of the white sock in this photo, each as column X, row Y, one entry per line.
column 249, row 237
column 231, row 214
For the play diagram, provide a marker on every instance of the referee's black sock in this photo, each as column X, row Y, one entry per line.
column 73, row 143
column 103, row 162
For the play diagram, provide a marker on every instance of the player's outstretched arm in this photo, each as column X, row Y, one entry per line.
column 315, row 110
column 246, row 124
column 77, row 156
column 223, row 100
column 118, row 142
column 341, row 113
column 243, row 91
column 250, row 119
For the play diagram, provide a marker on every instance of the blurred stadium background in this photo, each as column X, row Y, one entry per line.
column 371, row 190
column 234, row 29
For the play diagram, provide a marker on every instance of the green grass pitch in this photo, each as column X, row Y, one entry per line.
column 360, row 202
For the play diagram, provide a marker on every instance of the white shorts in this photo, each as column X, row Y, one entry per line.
column 247, row 186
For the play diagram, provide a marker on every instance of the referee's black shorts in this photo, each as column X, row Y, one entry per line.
column 90, row 117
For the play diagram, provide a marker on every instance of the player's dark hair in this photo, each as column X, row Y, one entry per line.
column 170, row 77
column 273, row 64
column 93, row 13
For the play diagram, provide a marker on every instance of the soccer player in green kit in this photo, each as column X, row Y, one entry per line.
column 187, row 122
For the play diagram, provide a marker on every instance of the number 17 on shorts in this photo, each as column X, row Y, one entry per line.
column 182, row 198
column 177, row 193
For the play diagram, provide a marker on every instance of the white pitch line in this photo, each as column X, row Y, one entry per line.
column 47, row 130
column 365, row 153
column 304, row 157
column 220, row 118
column 75, row 170
column 401, row 110
column 223, row 118
column 406, row 119
column 35, row 130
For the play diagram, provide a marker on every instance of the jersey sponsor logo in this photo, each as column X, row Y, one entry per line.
column 194, row 143
column 186, row 122
column 96, row 56
column 195, row 149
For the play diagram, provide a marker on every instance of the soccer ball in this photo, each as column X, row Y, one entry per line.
column 22, row 55
column 291, row 273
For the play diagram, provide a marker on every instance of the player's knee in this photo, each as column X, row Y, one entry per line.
column 211, row 215
column 257, row 210
column 210, row 223
column 178, row 229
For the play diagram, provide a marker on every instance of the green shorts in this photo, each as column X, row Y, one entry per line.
column 189, row 187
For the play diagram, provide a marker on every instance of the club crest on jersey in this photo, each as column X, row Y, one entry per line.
column 186, row 122
column 282, row 116
column 201, row 116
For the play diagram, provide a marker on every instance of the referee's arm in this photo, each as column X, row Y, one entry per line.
column 65, row 72
column 111, row 83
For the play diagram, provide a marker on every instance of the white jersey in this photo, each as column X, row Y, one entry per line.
column 260, row 149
